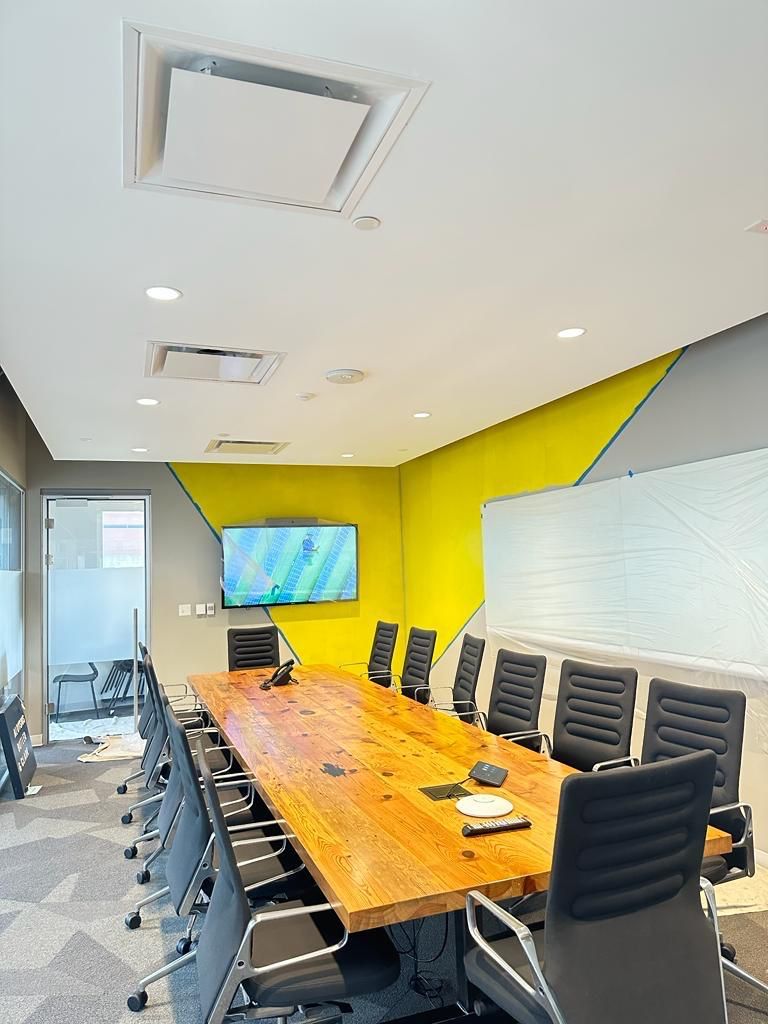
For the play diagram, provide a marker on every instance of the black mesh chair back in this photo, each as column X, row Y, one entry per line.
column 468, row 671
column 253, row 647
column 159, row 738
column 418, row 663
column 380, row 661
column 516, row 690
column 626, row 939
column 193, row 831
column 228, row 913
column 593, row 716
column 148, row 709
column 682, row 718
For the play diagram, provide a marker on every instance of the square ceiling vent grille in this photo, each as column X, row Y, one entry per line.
column 204, row 116
column 203, row 362
column 221, row 446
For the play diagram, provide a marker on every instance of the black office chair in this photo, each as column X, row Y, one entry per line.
column 625, row 937
column 75, row 677
column 417, row 664
column 276, row 873
column 682, row 718
column 593, row 716
column 379, row 664
column 296, row 955
column 253, row 647
column 462, row 702
column 515, row 701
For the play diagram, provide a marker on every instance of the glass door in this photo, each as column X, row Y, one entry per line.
column 96, row 567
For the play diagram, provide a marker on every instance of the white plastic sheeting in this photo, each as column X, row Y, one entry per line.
column 666, row 571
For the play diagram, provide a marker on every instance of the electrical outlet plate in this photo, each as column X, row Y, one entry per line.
column 199, row 609
column 185, row 609
column 210, row 608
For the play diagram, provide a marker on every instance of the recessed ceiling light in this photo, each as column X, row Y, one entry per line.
column 86, row 438
column 163, row 293
column 305, row 396
column 572, row 332
column 366, row 223
column 422, row 415
column 347, row 455
column 344, row 376
column 147, row 401
column 139, row 450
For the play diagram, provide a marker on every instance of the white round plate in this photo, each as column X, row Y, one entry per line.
column 483, row 806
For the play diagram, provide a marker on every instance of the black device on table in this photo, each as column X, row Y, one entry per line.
column 280, row 677
column 485, row 828
column 488, row 774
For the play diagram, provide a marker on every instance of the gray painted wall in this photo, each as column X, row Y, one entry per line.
column 713, row 402
column 185, row 568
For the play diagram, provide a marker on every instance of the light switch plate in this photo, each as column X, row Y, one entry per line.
column 185, row 609
column 210, row 608
column 199, row 609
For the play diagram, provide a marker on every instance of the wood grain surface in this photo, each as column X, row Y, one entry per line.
column 342, row 761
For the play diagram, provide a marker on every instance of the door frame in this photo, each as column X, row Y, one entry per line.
column 92, row 494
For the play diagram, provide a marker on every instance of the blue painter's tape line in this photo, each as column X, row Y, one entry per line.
column 217, row 535
column 631, row 416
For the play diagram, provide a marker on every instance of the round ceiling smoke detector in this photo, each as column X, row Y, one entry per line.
column 344, row 376
column 366, row 223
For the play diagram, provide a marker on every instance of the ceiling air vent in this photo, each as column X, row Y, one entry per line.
column 203, row 362
column 228, row 446
column 203, row 116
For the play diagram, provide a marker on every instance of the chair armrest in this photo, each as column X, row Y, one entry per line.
column 542, row 994
column 264, row 839
column 256, row 824
column 351, row 664
column 747, row 838
column 529, row 734
column 175, row 686
column 385, row 675
column 304, row 957
column 616, row 762
column 415, row 690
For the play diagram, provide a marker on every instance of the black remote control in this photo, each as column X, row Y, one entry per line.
column 486, row 828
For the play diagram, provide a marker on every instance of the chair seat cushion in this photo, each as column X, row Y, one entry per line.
column 714, row 869
column 367, row 963
column 491, row 979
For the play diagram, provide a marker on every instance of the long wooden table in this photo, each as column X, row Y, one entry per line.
column 342, row 760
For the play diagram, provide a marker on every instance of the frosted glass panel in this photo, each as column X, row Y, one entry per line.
column 92, row 610
column 11, row 627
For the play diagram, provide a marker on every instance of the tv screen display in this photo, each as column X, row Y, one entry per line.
column 272, row 565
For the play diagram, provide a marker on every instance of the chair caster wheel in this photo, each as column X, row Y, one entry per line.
column 183, row 946
column 133, row 920
column 142, row 877
column 728, row 951
column 122, row 789
column 137, row 1001
column 130, row 852
column 127, row 818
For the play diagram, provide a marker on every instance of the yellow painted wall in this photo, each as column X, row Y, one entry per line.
column 420, row 527
column 442, row 492
column 333, row 632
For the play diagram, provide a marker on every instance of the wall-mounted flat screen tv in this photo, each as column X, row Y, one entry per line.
column 273, row 565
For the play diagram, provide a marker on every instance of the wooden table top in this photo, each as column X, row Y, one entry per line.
column 342, row 760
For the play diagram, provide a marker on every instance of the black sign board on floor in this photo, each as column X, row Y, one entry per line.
column 17, row 745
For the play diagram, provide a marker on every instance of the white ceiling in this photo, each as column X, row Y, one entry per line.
column 583, row 163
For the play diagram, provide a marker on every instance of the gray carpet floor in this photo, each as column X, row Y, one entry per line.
column 67, row 958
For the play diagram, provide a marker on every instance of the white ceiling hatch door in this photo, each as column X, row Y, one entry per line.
column 223, row 134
